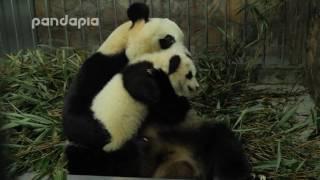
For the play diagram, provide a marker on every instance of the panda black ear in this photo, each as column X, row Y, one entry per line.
column 138, row 11
column 174, row 64
column 167, row 41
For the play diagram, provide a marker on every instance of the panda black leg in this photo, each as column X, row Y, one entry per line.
column 92, row 161
column 230, row 161
column 85, row 130
column 83, row 161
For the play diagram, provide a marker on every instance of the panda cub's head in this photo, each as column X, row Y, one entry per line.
column 142, row 34
column 177, row 64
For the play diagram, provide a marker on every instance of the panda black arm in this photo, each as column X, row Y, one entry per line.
column 95, row 72
column 171, row 108
column 139, row 84
column 78, row 123
column 164, row 85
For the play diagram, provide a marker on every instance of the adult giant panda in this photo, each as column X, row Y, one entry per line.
column 134, row 38
column 123, row 103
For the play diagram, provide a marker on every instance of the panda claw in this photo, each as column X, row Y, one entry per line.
column 262, row 177
column 258, row 177
column 150, row 71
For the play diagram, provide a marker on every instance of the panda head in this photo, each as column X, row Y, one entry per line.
column 178, row 65
column 142, row 34
column 182, row 72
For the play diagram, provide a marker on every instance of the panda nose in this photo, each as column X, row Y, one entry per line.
column 197, row 87
column 193, row 89
column 190, row 88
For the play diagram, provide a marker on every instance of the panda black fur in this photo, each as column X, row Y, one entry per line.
column 122, row 104
column 94, row 161
column 129, row 40
column 208, row 152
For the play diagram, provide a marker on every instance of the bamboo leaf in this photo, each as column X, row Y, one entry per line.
column 279, row 155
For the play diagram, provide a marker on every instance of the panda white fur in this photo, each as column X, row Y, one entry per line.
column 132, row 39
column 123, row 103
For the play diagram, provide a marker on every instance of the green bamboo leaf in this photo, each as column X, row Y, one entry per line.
column 279, row 156
column 9, row 126
column 12, row 145
column 300, row 165
column 266, row 165
column 297, row 126
column 287, row 115
column 31, row 124
column 37, row 119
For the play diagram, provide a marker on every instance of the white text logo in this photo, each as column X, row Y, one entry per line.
column 76, row 22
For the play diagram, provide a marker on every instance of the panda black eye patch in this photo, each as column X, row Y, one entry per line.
column 174, row 64
column 189, row 75
column 167, row 41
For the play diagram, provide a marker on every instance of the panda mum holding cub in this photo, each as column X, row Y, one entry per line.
column 127, row 113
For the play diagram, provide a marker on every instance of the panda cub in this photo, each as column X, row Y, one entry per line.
column 123, row 103
column 134, row 38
